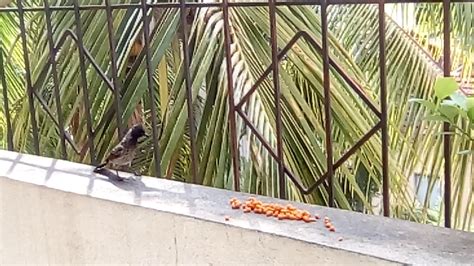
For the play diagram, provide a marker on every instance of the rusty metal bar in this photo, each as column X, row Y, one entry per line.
column 269, row 148
column 29, row 86
column 353, row 84
column 268, row 70
column 87, row 55
column 303, row 34
column 336, row 165
column 384, row 107
column 84, row 85
column 54, row 72
column 113, row 66
column 48, row 111
column 150, row 82
column 276, row 84
column 231, row 4
column 189, row 92
column 5, row 101
column 446, row 127
column 345, row 156
column 234, row 148
column 327, row 102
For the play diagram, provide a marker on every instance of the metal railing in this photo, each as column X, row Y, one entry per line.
column 235, row 107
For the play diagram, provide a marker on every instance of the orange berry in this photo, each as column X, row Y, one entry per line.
column 332, row 229
column 281, row 216
column 269, row 213
column 328, row 225
column 247, row 209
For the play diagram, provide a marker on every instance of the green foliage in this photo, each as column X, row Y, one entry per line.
column 444, row 87
column 450, row 106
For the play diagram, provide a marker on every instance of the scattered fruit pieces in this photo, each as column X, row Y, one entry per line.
column 281, row 212
column 288, row 212
column 308, row 219
column 235, row 203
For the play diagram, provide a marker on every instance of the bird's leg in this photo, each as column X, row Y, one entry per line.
column 118, row 176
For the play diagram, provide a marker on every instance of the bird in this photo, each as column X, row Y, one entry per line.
column 124, row 152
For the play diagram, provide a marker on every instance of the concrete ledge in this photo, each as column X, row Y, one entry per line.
column 55, row 211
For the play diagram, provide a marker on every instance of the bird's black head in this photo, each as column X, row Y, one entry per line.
column 137, row 131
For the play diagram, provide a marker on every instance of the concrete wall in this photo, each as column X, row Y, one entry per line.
column 50, row 226
column 53, row 211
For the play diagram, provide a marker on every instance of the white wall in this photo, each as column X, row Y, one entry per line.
column 42, row 225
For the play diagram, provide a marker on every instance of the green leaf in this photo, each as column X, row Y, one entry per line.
column 458, row 98
column 469, row 102
column 470, row 114
column 428, row 104
column 445, row 86
column 449, row 111
column 438, row 118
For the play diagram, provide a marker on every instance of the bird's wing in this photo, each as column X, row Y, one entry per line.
column 116, row 152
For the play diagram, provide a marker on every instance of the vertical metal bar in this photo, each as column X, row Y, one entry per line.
column 84, row 84
column 194, row 170
column 26, row 58
column 446, row 127
column 113, row 65
column 146, row 37
column 230, row 89
column 327, row 102
column 276, row 84
column 384, row 113
column 5, row 102
column 52, row 61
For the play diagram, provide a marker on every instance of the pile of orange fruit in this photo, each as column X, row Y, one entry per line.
column 288, row 212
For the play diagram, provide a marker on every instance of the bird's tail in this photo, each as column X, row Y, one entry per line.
column 100, row 166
